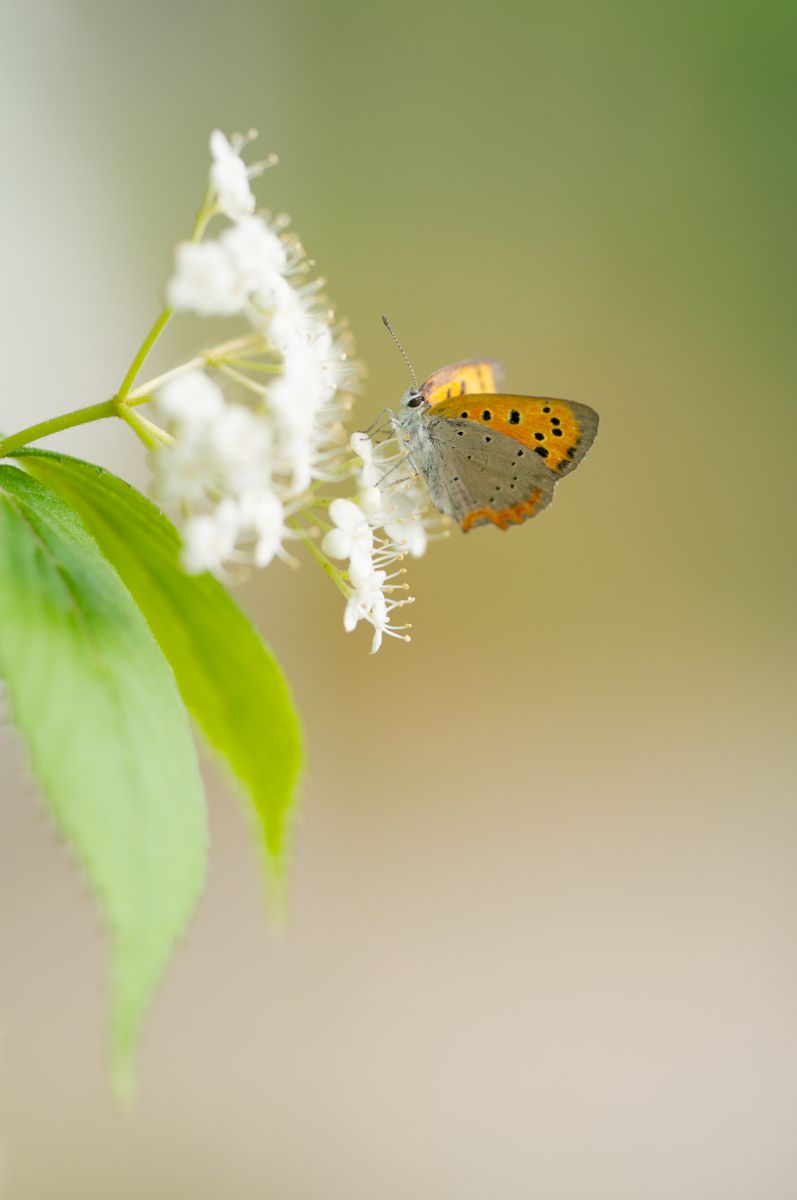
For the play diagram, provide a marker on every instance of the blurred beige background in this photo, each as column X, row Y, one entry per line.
column 542, row 932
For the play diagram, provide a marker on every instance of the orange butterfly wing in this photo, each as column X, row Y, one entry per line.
column 479, row 375
column 559, row 431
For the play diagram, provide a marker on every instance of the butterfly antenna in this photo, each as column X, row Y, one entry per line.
column 389, row 328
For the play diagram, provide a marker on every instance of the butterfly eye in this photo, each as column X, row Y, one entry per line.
column 414, row 399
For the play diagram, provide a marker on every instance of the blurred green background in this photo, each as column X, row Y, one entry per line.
column 544, row 889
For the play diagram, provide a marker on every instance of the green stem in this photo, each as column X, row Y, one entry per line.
column 144, row 392
column 81, row 416
column 139, row 397
column 147, row 431
column 326, row 566
column 142, row 355
column 329, row 568
column 205, row 214
column 322, row 524
column 250, row 385
column 250, row 364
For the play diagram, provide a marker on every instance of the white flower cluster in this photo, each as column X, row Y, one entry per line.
column 250, row 447
column 390, row 519
column 218, row 472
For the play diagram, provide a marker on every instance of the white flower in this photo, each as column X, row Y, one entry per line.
column 297, row 392
column 205, row 281
column 263, row 515
column 241, row 444
column 190, row 397
column 370, row 501
column 402, row 519
column 328, row 358
column 257, row 256
column 367, row 603
column 363, row 447
column 218, row 448
column 209, row 539
column 352, row 537
column 295, row 320
column 229, row 177
column 184, row 472
column 308, row 430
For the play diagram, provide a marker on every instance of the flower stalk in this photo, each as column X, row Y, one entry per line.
column 43, row 429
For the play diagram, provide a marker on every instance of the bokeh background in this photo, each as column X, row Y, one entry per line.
column 544, row 890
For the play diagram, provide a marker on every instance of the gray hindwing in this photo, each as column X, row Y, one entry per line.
column 469, row 468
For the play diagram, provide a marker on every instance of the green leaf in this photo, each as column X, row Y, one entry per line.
column 108, row 736
column 229, row 680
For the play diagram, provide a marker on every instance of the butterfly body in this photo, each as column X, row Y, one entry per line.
column 489, row 458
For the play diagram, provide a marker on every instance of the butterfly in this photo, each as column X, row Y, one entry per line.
column 488, row 458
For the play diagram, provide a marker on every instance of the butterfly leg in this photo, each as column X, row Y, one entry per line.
column 404, row 460
column 385, row 418
column 398, row 482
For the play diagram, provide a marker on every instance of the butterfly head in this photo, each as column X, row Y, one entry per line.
column 412, row 398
